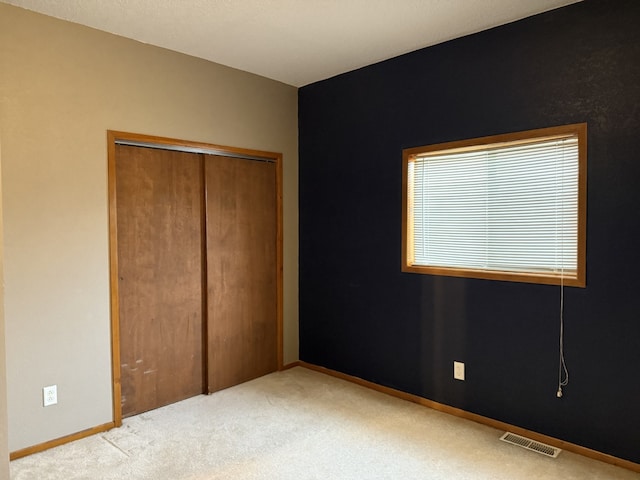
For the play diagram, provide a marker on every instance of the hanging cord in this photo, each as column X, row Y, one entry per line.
column 563, row 373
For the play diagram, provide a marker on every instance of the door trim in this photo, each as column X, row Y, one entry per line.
column 135, row 139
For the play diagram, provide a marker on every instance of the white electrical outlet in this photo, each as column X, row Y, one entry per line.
column 458, row 370
column 50, row 395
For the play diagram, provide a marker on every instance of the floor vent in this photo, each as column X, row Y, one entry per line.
column 529, row 444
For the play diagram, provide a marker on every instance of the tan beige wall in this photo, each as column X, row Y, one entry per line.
column 61, row 87
column 4, row 444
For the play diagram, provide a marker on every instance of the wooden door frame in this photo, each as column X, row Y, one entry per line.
column 134, row 139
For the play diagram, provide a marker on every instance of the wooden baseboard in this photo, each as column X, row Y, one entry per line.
column 569, row 447
column 60, row 441
column 86, row 433
column 297, row 363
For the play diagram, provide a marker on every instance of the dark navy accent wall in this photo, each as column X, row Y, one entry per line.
column 361, row 315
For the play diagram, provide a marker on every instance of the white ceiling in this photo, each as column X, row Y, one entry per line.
column 294, row 41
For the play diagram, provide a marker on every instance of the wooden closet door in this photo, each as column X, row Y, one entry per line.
column 241, row 226
column 160, row 276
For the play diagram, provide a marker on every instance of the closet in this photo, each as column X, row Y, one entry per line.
column 195, row 269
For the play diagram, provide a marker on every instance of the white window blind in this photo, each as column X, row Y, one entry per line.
column 510, row 207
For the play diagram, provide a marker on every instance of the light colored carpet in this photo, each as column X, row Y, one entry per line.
column 299, row 425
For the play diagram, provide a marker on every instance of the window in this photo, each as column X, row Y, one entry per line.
column 507, row 207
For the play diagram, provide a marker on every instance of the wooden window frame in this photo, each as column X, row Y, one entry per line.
column 577, row 279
